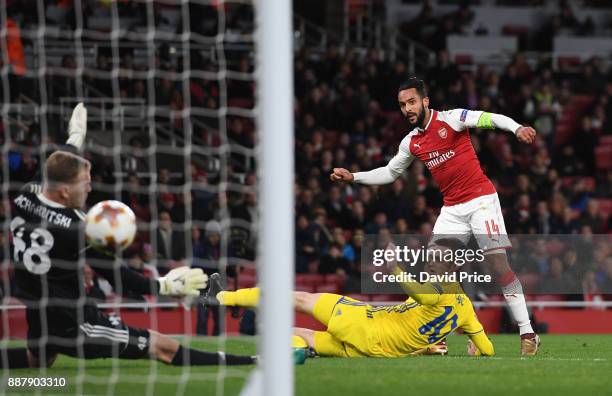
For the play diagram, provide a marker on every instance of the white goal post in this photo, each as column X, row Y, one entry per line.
column 275, row 259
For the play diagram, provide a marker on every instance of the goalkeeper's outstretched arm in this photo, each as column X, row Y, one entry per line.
column 77, row 130
column 179, row 282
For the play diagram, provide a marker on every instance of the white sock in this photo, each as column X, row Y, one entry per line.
column 513, row 293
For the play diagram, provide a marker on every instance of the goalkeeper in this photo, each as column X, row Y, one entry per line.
column 47, row 240
column 356, row 329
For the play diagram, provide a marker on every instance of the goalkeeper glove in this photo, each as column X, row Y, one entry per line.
column 77, row 127
column 183, row 281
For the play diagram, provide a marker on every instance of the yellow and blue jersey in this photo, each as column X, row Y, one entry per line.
column 355, row 328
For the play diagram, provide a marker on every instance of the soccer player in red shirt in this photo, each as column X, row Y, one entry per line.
column 471, row 206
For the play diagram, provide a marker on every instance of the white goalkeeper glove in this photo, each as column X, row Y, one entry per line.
column 77, row 127
column 183, row 281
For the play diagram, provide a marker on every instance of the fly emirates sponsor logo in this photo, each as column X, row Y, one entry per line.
column 436, row 159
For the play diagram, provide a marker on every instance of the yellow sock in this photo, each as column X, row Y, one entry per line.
column 298, row 342
column 248, row 298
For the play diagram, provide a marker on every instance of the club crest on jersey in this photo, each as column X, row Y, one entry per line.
column 443, row 133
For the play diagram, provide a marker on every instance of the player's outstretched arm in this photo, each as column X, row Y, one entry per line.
column 77, row 130
column 480, row 345
column 424, row 294
column 524, row 134
column 383, row 175
column 179, row 282
column 460, row 119
column 183, row 281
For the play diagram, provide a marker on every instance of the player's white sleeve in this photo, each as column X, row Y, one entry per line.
column 503, row 122
column 387, row 174
column 460, row 119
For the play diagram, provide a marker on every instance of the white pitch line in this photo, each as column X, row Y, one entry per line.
column 535, row 358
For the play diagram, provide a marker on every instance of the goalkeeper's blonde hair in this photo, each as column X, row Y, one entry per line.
column 63, row 167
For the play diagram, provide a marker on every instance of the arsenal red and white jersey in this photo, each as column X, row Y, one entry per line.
column 445, row 148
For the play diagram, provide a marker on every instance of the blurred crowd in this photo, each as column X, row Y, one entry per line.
column 431, row 28
column 346, row 115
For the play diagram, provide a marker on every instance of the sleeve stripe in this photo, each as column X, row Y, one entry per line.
column 80, row 214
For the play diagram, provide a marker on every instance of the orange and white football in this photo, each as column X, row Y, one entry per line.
column 110, row 225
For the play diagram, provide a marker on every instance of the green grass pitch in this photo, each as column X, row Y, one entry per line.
column 567, row 365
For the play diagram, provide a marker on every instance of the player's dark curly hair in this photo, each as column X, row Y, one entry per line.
column 416, row 83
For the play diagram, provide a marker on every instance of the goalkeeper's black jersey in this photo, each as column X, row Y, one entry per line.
column 46, row 240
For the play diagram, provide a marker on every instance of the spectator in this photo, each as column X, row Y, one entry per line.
column 334, row 263
column 592, row 217
column 347, row 249
column 419, row 214
column 555, row 281
column 170, row 243
column 210, row 255
column 304, row 244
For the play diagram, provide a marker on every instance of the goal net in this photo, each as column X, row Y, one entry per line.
column 176, row 98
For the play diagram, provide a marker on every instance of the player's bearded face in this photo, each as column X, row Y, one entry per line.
column 413, row 106
column 416, row 117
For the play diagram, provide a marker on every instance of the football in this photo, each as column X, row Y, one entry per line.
column 110, row 225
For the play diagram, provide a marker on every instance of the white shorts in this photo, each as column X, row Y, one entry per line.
column 481, row 217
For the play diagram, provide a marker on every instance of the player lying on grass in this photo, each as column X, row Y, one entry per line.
column 356, row 329
column 47, row 250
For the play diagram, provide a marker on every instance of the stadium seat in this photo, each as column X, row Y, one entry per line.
column 309, row 279
column 603, row 157
column 515, row 30
column 549, row 297
column 335, row 279
column 245, row 280
column 563, row 132
column 305, row 288
column 248, row 269
column 529, row 281
column 589, row 182
column 582, row 101
column 568, row 62
column 605, row 141
column 328, row 288
column 360, row 297
column 464, row 59
column 244, row 103
column 387, row 297
column 329, row 140
column 605, row 207
column 495, row 297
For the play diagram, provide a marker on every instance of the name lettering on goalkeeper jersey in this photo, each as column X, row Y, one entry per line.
column 46, row 214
